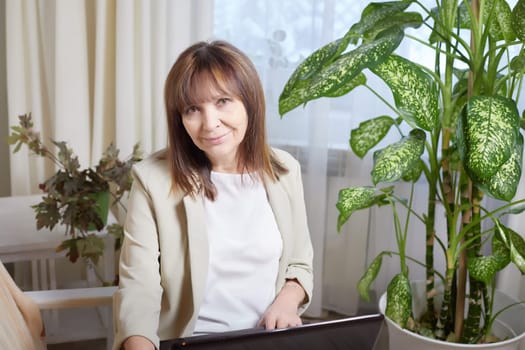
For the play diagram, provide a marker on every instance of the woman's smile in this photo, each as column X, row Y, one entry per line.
column 216, row 140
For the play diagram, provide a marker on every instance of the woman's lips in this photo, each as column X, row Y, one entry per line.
column 215, row 140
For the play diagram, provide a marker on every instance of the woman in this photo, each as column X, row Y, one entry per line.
column 216, row 237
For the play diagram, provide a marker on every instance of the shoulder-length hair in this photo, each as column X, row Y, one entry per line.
column 227, row 69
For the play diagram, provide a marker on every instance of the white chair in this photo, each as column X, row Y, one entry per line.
column 49, row 301
column 24, row 311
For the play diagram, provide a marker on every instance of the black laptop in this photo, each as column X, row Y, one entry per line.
column 355, row 333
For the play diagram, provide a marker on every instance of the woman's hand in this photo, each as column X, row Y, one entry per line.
column 137, row 342
column 283, row 311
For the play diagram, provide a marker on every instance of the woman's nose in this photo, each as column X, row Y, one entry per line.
column 210, row 118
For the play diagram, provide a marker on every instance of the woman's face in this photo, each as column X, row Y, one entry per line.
column 217, row 126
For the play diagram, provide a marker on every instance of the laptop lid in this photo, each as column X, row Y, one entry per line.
column 357, row 333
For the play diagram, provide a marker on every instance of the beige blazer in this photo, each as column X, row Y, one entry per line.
column 164, row 257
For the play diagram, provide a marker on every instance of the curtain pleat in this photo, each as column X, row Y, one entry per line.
column 25, row 80
column 104, row 78
column 159, row 70
column 144, row 89
column 127, row 77
column 72, row 121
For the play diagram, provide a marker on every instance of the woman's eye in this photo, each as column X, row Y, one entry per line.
column 222, row 100
column 190, row 110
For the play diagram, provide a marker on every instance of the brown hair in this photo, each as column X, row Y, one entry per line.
column 227, row 69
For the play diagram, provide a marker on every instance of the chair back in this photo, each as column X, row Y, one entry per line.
column 20, row 324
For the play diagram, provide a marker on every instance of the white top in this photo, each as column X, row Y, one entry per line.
column 244, row 250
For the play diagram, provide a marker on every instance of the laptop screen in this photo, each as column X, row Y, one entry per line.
column 357, row 333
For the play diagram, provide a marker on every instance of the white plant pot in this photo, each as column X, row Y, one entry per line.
column 510, row 325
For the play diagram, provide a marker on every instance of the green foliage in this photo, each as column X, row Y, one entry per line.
column 518, row 19
column 327, row 72
column 399, row 300
column 392, row 162
column 516, row 246
column 465, row 140
column 414, row 90
column 355, row 198
column 73, row 197
column 487, row 135
column 363, row 286
column 369, row 134
column 383, row 16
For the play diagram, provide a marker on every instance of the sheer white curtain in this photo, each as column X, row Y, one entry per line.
column 92, row 72
column 277, row 35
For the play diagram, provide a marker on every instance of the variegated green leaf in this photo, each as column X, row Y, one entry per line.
column 487, row 11
column 315, row 62
column 350, row 64
column 392, row 162
column 399, row 300
column 500, row 26
column 298, row 83
column 504, row 183
column 517, row 64
column 374, row 14
column 516, row 245
column 360, row 79
column 355, row 198
column 337, row 75
column 363, row 286
column 518, row 19
column 517, row 251
column 415, row 92
column 483, row 268
column 464, row 15
column 500, row 252
column 400, row 20
column 518, row 209
column 486, row 134
column 413, row 174
column 369, row 133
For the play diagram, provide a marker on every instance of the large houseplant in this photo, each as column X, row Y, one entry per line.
column 78, row 199
column 459, row 129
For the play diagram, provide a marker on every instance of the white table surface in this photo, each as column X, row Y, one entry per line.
column 18, row 233
column 21, row 241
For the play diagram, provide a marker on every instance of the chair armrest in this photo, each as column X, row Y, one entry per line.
column 71, row 298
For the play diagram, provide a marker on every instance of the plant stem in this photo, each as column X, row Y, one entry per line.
column 444, row 323
column 461, row 277
column 473, row 325
column 430, row 231
column 445, row 315
column 394, row 109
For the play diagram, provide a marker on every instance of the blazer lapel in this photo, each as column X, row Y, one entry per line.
column 197, row 246
column 278, row 199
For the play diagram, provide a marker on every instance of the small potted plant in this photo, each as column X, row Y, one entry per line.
column 459, row 128
column 78, row 199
